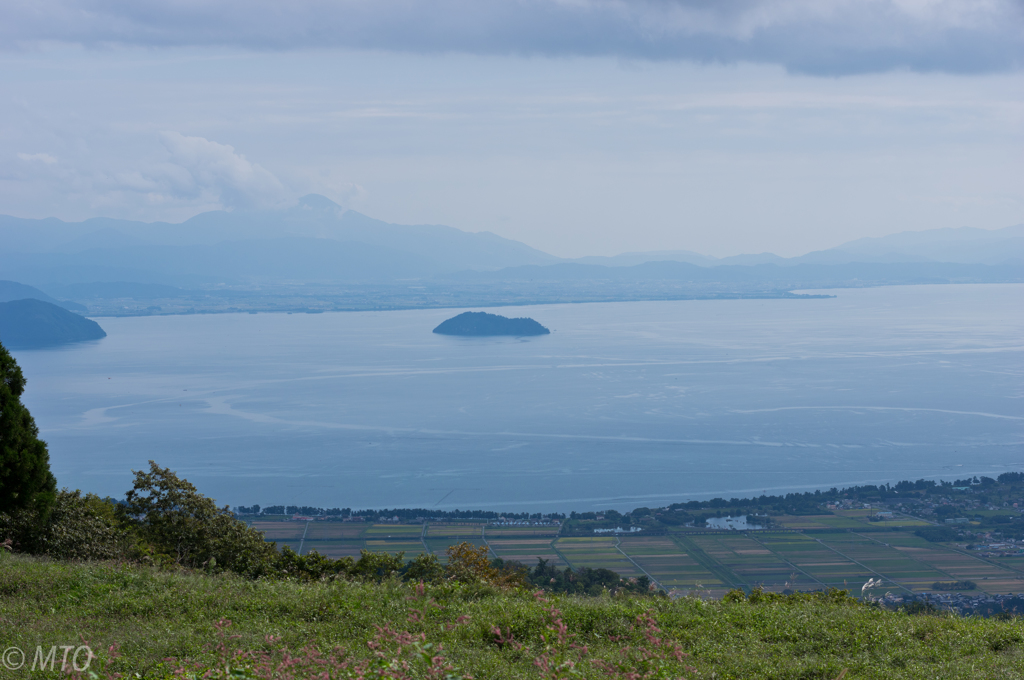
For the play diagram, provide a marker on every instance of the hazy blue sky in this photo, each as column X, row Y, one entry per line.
column 577, row 126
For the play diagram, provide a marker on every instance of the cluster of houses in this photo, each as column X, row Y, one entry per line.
column 618, row 530
column 847, row 504
column 961, row 603
column 1010, row 547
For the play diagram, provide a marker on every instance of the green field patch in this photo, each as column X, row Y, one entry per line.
column 439, row 546
column 336, row 530
column 752, row 563
column 520, row 545
column 334, row 549
column 886, row 561
column 801, row 521
column 901, row 522
column 393, row 547
column 903, row 538
column 454, row 531
column 394, row 530
column 280, row 531
column 653, row 545
column 844, row 523
column 513, row 532
column 857, row 513
column 663, row 559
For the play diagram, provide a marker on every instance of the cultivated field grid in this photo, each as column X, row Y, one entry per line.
column 802, row 553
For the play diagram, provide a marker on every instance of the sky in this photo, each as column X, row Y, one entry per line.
column 580, row 127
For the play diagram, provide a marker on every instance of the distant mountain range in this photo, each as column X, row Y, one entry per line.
column 964, row 245
column 746, row 277
column 318, row 244
column 11, row 290
column 315, row 241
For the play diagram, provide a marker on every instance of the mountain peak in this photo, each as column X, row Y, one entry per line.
column 319, row 203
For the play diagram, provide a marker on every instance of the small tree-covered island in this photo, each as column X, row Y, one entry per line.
column 484, row 324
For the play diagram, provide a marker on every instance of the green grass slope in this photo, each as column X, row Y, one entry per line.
column 155, row 615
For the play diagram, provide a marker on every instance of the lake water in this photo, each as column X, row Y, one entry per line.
column 623, row 405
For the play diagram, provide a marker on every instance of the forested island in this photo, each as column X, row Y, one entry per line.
column 32, row 324
column 484, row 324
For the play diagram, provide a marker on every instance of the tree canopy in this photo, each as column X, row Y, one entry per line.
column 25, row 478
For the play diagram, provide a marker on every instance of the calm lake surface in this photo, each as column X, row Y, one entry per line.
column 623, row 405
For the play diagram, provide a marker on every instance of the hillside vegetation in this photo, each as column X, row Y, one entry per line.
column 158, row 622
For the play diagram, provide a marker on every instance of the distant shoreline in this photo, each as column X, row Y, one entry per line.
column 475, row 302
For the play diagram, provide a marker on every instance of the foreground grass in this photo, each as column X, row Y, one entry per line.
column 154, row 616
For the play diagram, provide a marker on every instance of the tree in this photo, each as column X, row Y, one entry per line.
column 26, row 482
column 178, row 522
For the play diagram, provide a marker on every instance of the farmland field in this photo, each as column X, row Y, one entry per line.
column 818, row 551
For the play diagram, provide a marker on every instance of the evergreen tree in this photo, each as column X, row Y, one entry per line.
column 25, row 478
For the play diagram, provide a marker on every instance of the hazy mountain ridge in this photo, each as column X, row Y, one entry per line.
column 770, row 275
column 12, row 290
column 315, row 240
column 222, row 261
column 963, row 245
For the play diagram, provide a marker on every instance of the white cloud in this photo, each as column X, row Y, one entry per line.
column 212, row 168
column 39, row 157
column 830, row 36
column 177, row 174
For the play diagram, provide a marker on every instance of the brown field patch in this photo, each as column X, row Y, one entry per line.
column 822, row 564
column 517, row 541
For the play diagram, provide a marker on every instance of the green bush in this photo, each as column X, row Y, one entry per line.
column 77, row 528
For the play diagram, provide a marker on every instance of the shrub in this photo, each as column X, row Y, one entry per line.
column 377, row 566
column 585, row 581
column 78, row 528
column 424, row 567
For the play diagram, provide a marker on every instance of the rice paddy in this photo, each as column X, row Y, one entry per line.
column 799, row 553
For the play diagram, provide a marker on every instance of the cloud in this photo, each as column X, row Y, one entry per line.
column 812, row 36
column 198, row 166
column 171, row 173
column 39, row 157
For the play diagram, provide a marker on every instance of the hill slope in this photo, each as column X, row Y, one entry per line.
column 32, row 324
column 162, row 619
column 12, row 290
